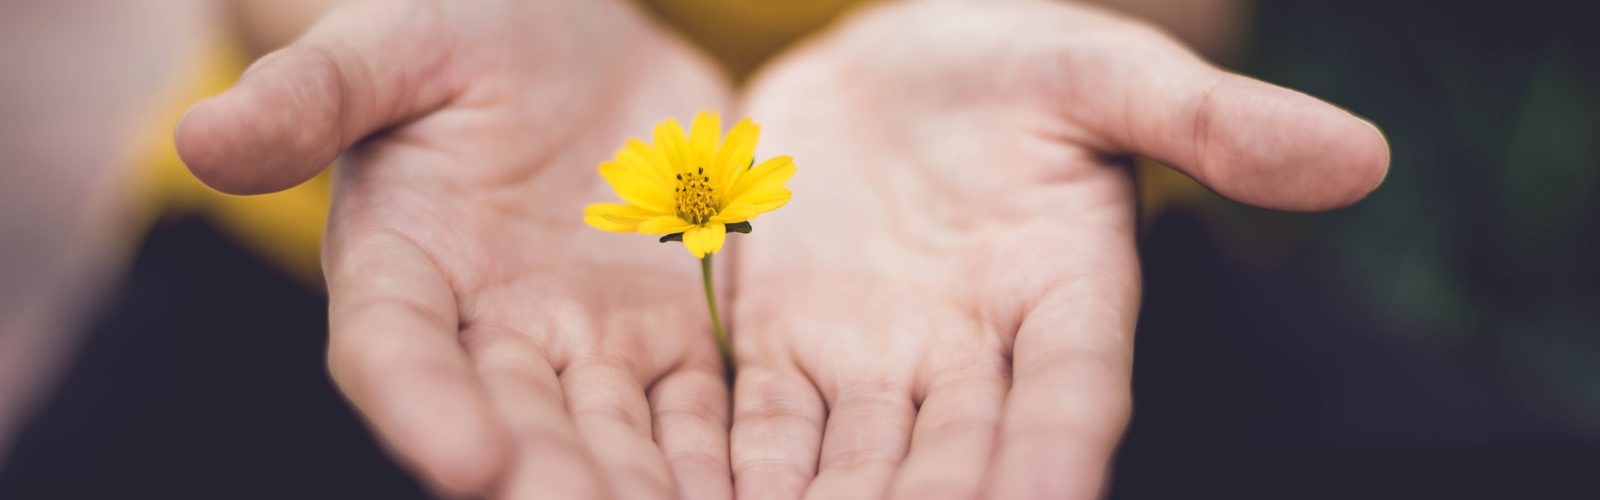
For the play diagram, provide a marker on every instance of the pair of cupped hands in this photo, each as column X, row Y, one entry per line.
column 945, row 310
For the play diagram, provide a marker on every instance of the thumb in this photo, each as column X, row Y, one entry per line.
column 1247, row 140
column 366, row 66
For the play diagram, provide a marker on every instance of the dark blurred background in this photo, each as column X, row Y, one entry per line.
column 1439, row 340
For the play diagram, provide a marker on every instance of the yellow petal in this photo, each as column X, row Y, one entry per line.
column 669, row 137
column 770, row 174
column 638, row 188
column 703, row 137
column 664, row 224
column 615, row 217
column 733, row 158
column 653, row 155
column 637, row 157
column 752, row 204
column 705, row 239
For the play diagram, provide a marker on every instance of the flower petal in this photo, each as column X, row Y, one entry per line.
column 664, row 224
column 649, row 162
column 654, row 155
column 674, row 146
column 615, row 217
column 705, row 239
column 703, row 137
column 752, row 204
column 770, row 174
column 638, row 188
column 733, row 158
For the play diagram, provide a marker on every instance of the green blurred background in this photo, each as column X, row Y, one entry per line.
column 1484, row 238
column 1440, row 339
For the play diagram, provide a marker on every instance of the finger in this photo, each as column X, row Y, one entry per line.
column 551, row 459
column 777, row 433
column 392, row 350
column 1250, row 141
column 608, row 403
column 366, row 66
column 867, row 435
column 690, row 410
column 1069, row 399
column 953, row 438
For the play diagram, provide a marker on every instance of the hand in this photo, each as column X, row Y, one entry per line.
column 946, row 309
column 496, row 344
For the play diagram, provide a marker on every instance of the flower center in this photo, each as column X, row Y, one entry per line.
column 697, row 202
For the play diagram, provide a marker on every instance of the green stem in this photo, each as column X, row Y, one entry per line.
column 716, row 319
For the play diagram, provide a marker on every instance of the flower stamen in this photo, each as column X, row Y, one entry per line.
column 696, row 199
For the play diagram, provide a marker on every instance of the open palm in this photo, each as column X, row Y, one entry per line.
column 946, row 308
column 495, row 343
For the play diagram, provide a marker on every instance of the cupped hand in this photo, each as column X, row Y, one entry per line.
column 497, row 345
column 946, row 308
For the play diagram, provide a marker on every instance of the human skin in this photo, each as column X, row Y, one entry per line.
column 946, row 309
column 497, row 345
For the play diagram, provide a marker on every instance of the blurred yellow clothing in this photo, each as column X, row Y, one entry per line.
column 286, row 227
column 741, row 34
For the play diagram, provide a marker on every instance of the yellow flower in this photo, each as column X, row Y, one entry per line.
column 696, row 186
